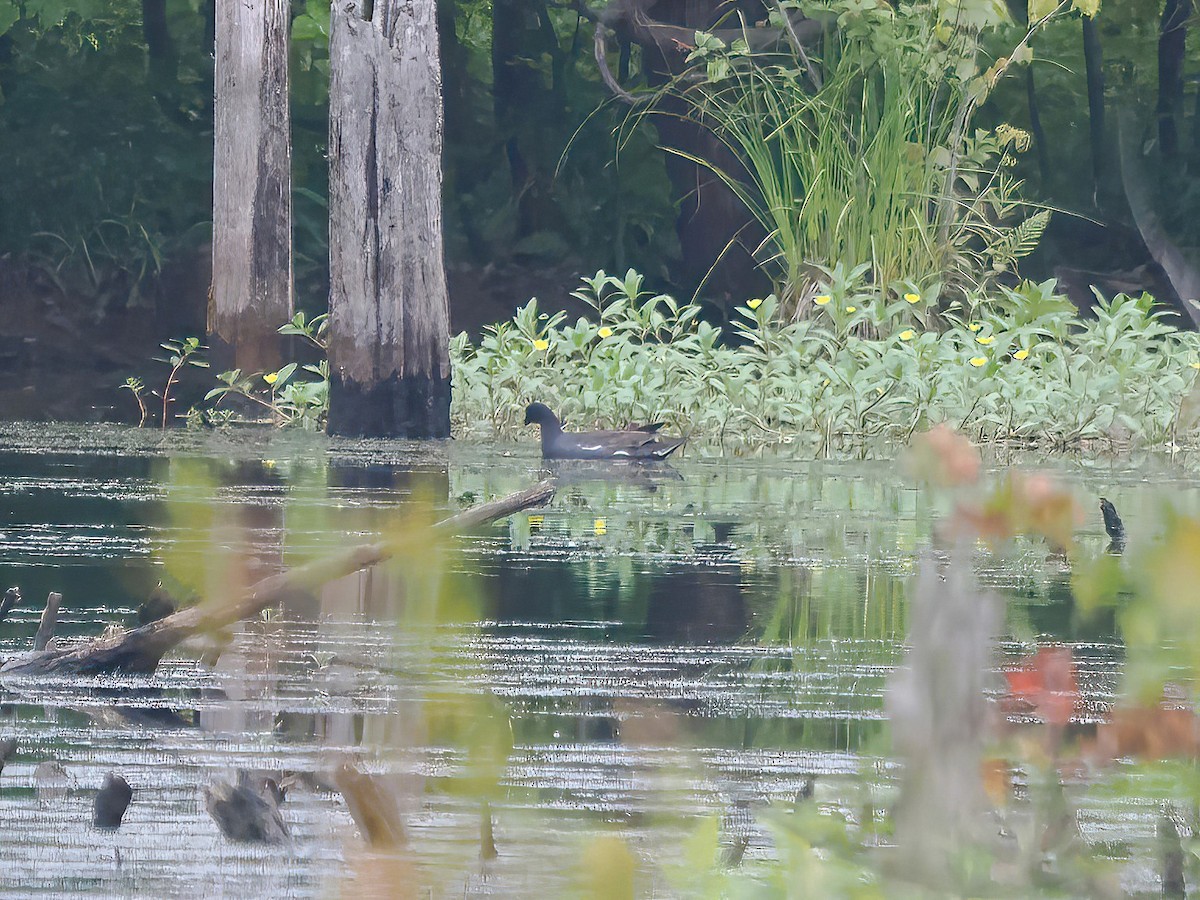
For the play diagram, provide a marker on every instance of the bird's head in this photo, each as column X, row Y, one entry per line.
column 539, row 414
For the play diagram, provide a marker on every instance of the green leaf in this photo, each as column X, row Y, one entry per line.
column 1088, row 7
column 1039, row 9
column 10, row 12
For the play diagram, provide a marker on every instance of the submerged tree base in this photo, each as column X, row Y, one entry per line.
column 415, row 406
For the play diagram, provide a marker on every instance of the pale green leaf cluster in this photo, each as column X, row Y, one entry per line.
column 1015, row 365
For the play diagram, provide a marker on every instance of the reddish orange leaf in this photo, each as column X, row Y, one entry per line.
column 1045, row 684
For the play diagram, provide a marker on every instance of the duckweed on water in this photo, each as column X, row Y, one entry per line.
column 1018, row 365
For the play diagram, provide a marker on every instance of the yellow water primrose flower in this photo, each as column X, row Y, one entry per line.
column 974, row 326
column 605, row 331
column 822, row 299
column 978, row 361
column 1195, row 365
column 851, row 309
column 985, row 340
column 1024, row 354
column 541, row 344
column 600, row 526
column 271, row 377
column 912, row 298
column 907, row 334
column 755, row 303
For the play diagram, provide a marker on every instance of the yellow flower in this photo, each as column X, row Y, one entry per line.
column 985, row 340
column 974, row 326
column 271, row 377
column 907, row 334
column 851, row 309
column 605, row 332
column 821, row 299
column 536, row 522
column 541, row 344
column 1195, row 365
column 912, row 298
column 978, row 361
column 755, row 303
column 600, row 526
column 1024, row 354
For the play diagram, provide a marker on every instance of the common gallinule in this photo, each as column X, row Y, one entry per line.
column 635, row 442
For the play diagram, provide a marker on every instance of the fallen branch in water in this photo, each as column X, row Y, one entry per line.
column 139, row 650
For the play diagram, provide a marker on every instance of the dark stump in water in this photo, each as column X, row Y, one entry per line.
column 159, row 605
column 111, row 802
column 8, row 747
column 1113, row 525
column 246, row 810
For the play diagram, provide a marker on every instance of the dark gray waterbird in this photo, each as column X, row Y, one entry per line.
column 634, row 442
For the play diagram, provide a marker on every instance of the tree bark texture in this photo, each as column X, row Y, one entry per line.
column 1172, row 44
column 1100, row 141
column 389, row 350
column 252, row 188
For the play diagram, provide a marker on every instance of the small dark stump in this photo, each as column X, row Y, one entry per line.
column 246, row 810
column 158, row 605
column 8, row 747
column 1113, row 526
column 11, row 598
column 111, row 802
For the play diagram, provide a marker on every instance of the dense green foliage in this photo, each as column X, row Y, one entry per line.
column 107, row 123
column 1017, row 364
column 108, row 156
column 868, row 153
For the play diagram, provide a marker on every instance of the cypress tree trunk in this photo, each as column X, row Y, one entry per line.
column 252, row 186
column 1172, row 46
column 389, row 353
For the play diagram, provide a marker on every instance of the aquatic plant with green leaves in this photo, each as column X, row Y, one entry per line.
column 1015, row 364
column 286, row 398
column 283, row 396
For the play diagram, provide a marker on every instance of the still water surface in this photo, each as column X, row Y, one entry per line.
column 669, row 643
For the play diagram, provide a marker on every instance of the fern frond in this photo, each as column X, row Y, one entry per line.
column 1020, row 240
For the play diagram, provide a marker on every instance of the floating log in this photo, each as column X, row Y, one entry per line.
column 139, row 650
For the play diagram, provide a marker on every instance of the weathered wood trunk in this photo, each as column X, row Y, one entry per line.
column 252, row 186
column 389, row 311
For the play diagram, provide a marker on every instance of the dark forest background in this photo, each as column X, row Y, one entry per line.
column 106, row 121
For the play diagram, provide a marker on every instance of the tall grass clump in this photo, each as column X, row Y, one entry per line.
column 865, row 151
column 1014, row 364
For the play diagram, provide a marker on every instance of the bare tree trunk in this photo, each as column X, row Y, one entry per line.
column 1093, row 58
column 389, row 350
column 252, row 187
column 1172, row 44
